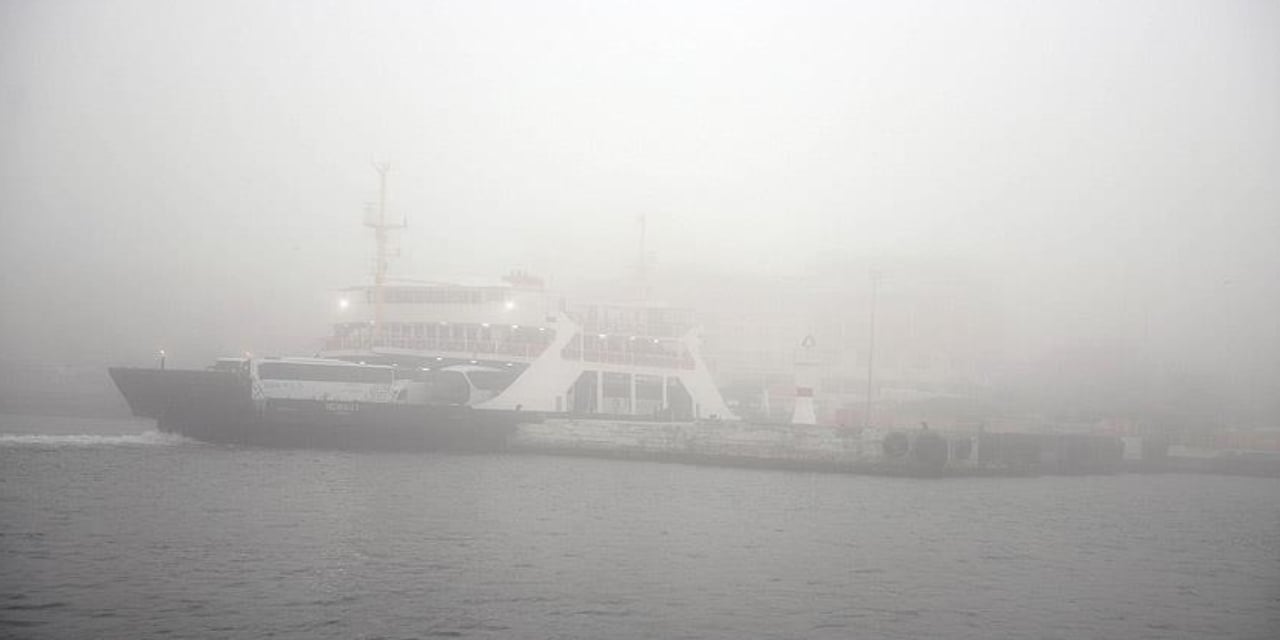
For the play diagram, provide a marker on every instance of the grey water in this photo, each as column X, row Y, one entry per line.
column 110, row 529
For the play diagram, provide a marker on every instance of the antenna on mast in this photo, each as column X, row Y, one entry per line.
column 377, row 220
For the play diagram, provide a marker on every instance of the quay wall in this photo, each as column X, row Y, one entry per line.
column 821, row 448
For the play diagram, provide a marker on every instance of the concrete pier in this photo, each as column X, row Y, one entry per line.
column 919, row 452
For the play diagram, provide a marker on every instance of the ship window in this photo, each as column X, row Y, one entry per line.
column 432, row 296
column 617, row 385
column 324, row 373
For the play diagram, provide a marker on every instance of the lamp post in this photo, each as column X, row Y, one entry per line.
column 876, row 275
column 162, row 354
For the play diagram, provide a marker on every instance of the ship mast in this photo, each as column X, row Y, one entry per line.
column 378, row 222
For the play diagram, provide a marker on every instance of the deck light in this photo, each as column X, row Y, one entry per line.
column 343, row 303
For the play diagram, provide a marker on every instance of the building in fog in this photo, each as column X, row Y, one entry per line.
column 936, row 341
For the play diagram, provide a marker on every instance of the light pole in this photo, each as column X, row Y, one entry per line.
column 871, row 347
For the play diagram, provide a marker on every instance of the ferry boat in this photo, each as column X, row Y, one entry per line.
column 442, row 366
column 428, row 364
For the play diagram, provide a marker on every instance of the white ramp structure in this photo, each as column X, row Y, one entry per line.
column 617, row 374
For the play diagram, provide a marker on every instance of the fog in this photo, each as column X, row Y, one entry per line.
column 192, row 175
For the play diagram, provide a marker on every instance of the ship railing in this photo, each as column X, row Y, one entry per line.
column 515, row 349
column 629, row 358
column 639, row 330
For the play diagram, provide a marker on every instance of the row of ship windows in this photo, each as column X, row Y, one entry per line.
column 437, row 296
column 448, row 331
column 324, row 373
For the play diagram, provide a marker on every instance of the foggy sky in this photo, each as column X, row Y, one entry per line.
column 193, row 174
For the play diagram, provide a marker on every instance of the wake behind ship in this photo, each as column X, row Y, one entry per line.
column 309, row 403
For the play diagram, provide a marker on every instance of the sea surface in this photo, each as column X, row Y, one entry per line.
column 109, row 529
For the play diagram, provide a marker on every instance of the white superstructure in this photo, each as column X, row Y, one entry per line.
column 598, row 359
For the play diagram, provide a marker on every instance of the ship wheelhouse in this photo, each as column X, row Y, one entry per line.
column 507, row 324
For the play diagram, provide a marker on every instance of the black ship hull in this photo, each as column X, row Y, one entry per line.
column 218, row 407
